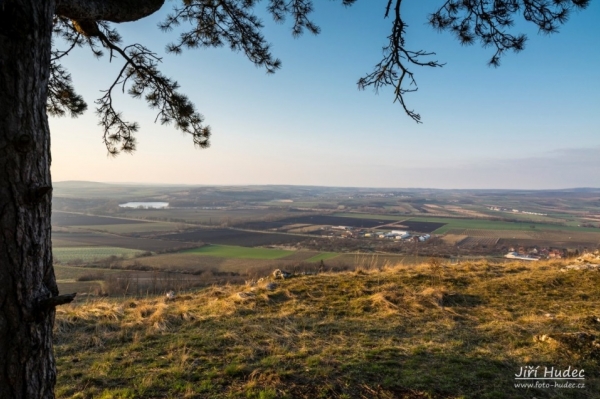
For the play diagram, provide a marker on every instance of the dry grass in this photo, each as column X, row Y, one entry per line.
column 426, row 331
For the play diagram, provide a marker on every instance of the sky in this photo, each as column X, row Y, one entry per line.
column 532, row 123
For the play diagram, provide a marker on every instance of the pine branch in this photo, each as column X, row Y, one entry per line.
column 62, row 98
column 469, row 20
column 489, row 22
column 141, row 77
column 393, row 69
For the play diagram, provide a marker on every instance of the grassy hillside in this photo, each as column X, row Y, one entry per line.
column 428, row 331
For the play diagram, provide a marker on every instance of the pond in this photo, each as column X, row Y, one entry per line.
column 145, row 205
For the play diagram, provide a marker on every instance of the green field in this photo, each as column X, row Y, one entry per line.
column 88, row 254
column 482, row 224
column 230, row 251
column 322, row 256
column 496, row 225
column 516, row 216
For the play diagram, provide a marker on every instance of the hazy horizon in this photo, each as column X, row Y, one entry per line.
column 532, row 123
column 159, row 184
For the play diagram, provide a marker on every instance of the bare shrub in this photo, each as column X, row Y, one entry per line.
column 436, row 268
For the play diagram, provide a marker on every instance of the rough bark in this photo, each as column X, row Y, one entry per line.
column 27, row 281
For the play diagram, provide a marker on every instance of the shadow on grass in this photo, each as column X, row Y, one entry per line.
column 464, row 300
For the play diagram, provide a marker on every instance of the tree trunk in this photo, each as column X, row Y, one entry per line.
column 27, row 367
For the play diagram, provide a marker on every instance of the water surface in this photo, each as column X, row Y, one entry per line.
column 145, row 205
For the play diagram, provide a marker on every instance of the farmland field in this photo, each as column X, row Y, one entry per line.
column 141, row 228
column 88, row 254
column 300, row 217
column 492, row 233
column 496, row 225
column 374, row 216
column 79, row 287
column 197, row 264
column 204, row 216
column 301, row 255
column 415, row 226
column 61, row 220
column 322, row 256
column 304, row 228
column 543, row 237
column 565, row 243
column 62, row 242
column 397, row 222
column 316, row 220
column 566, row 236
column 232, row 237
column 180, row 262
column 76, row 219
column 230, row 251
column 568, row 239
column 469, row 242
column 72, row 273
column 527, row 217
column 90, row 239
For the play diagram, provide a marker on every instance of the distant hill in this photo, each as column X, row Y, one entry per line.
column 91, row 184
column 78, row 184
